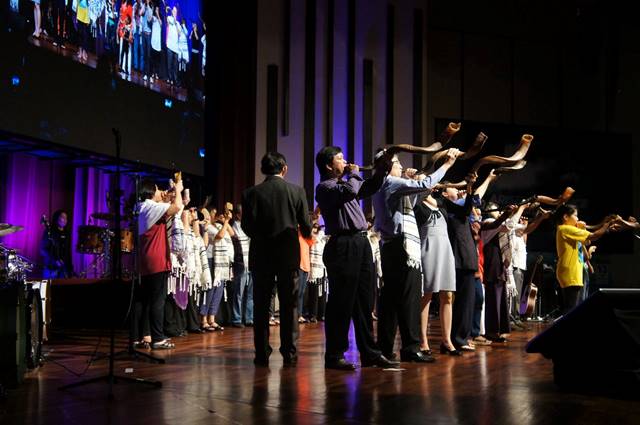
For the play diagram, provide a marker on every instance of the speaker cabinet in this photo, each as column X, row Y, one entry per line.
column 596, row 346
column 13, row 334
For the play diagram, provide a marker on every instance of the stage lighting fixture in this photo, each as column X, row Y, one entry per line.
column 15, row 81
column 168, row 103
column 201, row 152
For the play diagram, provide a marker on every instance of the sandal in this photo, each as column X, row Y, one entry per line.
column 217, row 327
column 163, row 345
column 207, row 328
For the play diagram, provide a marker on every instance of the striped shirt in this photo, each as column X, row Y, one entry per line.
column 241, row 249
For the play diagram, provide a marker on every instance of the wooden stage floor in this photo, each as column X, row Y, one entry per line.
column 210, row 379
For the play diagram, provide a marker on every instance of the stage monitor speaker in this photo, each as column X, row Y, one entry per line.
column 13, row 334
column 596, row 346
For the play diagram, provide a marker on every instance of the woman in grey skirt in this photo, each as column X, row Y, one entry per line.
column 438, row 271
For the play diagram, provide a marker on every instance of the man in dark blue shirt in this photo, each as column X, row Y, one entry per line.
column 347, row 257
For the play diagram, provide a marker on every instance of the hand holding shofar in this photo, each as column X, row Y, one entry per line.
column 443, row 139
column 616, row 223
column 548, row 200
column 505, row 164
column 436, row 160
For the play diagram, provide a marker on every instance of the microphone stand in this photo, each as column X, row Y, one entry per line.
column 111, row 377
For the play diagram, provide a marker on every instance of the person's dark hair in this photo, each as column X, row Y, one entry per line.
column 147, row 189
column 560, row 212
column 325, row 157
column 272, row 163
column 490, row 206
column 54, row 221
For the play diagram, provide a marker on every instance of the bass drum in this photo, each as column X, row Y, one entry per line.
column 126, row 241
column 90, row 240
column 34, row 321
column 4, row 265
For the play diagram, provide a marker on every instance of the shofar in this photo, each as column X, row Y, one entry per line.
column 443, row 139
column 510, row 163
column 438, row 157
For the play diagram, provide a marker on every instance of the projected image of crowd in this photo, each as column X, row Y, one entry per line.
column 155, row 43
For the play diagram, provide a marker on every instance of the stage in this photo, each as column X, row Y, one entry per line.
column 211, row 379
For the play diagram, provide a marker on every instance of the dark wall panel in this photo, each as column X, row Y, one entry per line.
column 272, row 108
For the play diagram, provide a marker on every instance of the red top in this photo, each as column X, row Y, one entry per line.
column 480, row 272
column 154, row 250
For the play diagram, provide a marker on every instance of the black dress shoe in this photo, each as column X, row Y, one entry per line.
column 390, row 356
column 416, row 358
column 261, row 362
column 290, row 361
column 380, row 361
column 249, row 324
column 340, row 364
column 237, row 325
column 427, row 352
column 445, row 350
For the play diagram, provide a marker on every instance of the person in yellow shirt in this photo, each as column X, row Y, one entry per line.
column 82, row 16
column 569, row 268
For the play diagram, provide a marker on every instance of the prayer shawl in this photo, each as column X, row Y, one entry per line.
column 374, row 241
column 222, row 258
column 177, row 278
column 318, row 270
column 506, row 252
column 411, row 235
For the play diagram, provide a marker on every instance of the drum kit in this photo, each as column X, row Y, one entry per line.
column 13, row 279
column 99, row 241
column 13, row 267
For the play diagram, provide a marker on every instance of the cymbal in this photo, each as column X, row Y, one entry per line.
column 7, row 229
column 107, row 216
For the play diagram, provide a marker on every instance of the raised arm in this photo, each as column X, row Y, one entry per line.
column 533, row 225
column 176, row 204
column 482, row 189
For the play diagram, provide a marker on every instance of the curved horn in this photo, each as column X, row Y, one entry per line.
column 443, row 139
column 607, row 219
column 476, row 147
column 562, row 199
column 518, row 166
column 459, row 185
column 435, row 160
column 525, row 143
column 630, row 224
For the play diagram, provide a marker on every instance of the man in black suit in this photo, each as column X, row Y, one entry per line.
column 273, row 211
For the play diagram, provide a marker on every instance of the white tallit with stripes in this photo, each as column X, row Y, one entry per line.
column 223, row 253
column 177, row 253
column 318, row 271
column 410, row 234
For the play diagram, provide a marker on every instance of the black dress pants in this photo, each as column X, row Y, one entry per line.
column 463, row 306
column 399, row 300
column 349, row 269
column 571, row 296
column 286, row 283
column 496, row 310
column 154, row 290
